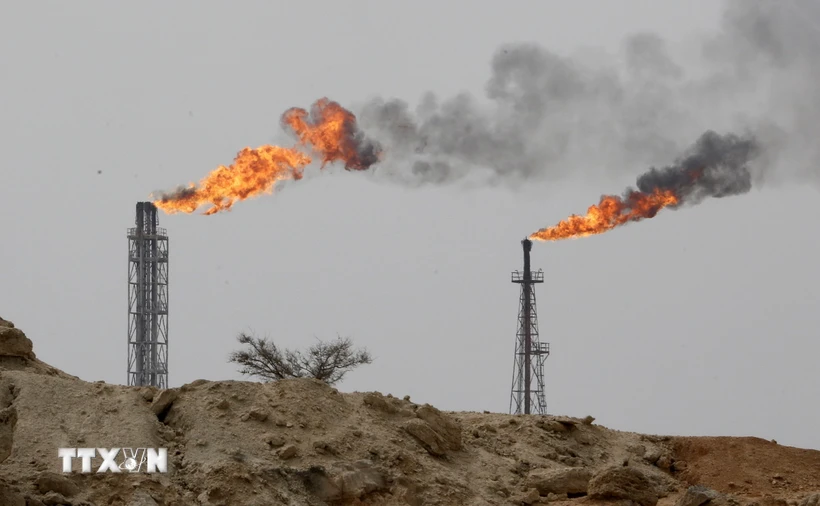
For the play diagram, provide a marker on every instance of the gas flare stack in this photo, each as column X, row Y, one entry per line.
column 530, row 353
column 147, row 300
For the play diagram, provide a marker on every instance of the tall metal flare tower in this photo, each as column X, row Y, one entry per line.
column 147, row 300
column 530, row 353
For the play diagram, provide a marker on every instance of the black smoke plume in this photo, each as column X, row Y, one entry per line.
column 548, row 116
column 715, row 166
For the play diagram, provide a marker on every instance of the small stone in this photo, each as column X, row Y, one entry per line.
column 652, row 455
column 531, row 497
column 255, row 414
column 288, row 452
column 274, row 441
column 322, row 447
column 223, row 404
column 55, row 499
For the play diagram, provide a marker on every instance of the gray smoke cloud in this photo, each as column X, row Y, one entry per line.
column 545, row 115
column 715, row 166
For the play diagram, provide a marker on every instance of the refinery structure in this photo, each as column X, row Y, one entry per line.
column 528, row 396
column 148, row 317
column 147, row 300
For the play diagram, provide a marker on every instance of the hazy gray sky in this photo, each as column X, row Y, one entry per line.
column 700, row 321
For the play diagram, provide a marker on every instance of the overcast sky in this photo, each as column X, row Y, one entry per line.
column 701, row 321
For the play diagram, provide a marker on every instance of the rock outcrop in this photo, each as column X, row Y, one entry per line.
column 14, row 343
column 572, row 481
column 623, row 483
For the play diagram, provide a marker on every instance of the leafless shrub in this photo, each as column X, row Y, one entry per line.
column 325, row 361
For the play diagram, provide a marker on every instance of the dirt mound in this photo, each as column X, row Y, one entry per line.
column 302, row 442
column 750, row 466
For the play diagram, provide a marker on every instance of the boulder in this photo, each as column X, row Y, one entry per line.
column 621, row 483
column 532, row 496
column 13, row 342
column 357, row 479
column 346, row 481
column 429, row 439
column 696, row 495
column 652, row 455
column 811, row 500
column 162, row 402
column 53, row 482
column 55, row 499
column 378, row 402
column 445, row 426
column 570, row 481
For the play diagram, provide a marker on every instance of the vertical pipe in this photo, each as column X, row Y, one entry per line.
column 140, row 309
column 154, row 294
column 527, row 244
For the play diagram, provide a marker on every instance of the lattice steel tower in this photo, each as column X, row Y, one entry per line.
column 147, row 300
column 530, row 353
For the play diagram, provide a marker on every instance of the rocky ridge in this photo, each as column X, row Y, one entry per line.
column 302, row 442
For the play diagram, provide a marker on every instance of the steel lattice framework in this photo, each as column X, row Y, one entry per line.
column 530, row 353
column 147, row 300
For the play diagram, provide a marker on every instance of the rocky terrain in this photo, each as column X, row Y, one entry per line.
column 301, row 442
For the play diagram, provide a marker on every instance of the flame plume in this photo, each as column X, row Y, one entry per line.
column 611, row 212
column 716, row 166
column 330, row 130
column 253, row 172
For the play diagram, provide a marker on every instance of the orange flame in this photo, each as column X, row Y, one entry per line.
column 331, row 131
column 254, row 171
column 611, row 212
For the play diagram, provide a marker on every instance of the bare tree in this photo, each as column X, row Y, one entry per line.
column 325, row 361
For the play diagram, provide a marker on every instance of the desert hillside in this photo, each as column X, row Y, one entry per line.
column 301, row 442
